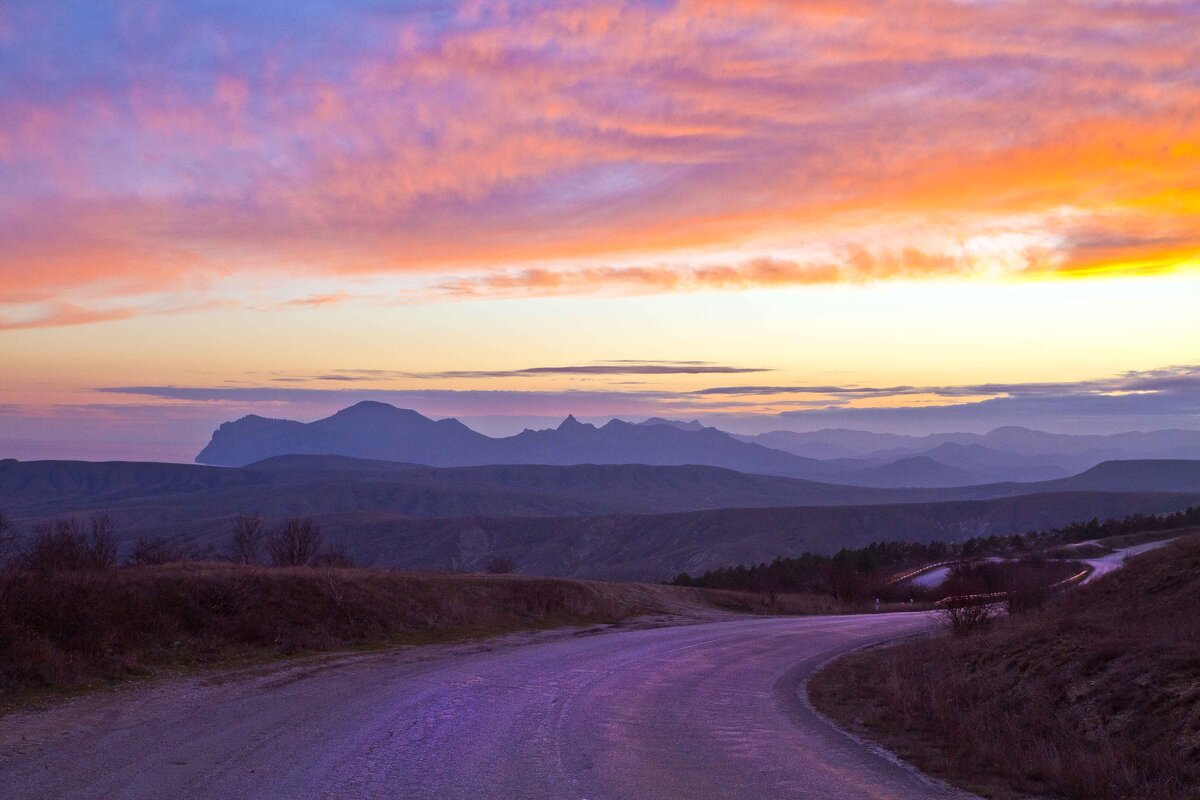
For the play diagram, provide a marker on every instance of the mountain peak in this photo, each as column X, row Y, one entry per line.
column 572, row 424
column 694, row 425
column 376, row 409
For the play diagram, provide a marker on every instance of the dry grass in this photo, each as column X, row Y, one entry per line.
column 1095, row 697
column 85, row 627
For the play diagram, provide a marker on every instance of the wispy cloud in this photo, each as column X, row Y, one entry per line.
column 1166, row 380
column 488, row 152
column 60, row 314
column 603, row 368
column 1171, row 390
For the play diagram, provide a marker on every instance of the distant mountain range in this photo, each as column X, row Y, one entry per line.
column 379, row 431
column 1000, row 450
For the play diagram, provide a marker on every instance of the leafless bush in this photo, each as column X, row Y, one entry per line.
column 102, row 544
column 334, row 556
column 8, row 541
column 498, row 565
column 967, row 619
column 67, row 544
column 164, row 550
column 295, row 543
column 248, row 534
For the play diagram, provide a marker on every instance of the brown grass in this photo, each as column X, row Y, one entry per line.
column 83, row 628
column 1096, row 696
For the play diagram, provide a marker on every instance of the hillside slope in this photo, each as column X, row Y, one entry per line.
column 1091, row 698
column 658, row 547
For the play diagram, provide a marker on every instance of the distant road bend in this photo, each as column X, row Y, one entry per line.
column 699, row 711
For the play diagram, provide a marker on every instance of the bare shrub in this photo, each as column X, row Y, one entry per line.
column 335, row 557
column 967, row 619
column 9, row 539
column 102, row 543
column 248, row 534
column 151, row 550
column 296, row 542
column 68, row 544
column 499, row 565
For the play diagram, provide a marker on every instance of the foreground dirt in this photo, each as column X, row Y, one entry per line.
column 702, row 711
column 1095, row 697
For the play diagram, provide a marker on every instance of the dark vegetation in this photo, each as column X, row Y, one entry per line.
column 72, row 615
column 855, row 573
column 1094, row 696
column 79, row 627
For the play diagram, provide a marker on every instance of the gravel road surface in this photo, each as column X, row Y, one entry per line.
column 713, row 710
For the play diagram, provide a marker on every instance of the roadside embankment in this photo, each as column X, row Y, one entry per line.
column 1094, row 696
column 85, row 628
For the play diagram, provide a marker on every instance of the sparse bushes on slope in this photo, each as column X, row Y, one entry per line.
column 1092, row 697
column 71, row 628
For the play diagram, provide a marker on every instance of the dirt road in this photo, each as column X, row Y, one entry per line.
column 698, row 711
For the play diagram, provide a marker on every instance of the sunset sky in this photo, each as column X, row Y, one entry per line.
column 908, row 216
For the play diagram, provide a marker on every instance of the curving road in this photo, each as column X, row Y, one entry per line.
column 697, row 712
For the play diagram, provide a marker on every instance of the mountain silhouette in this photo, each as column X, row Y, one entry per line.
column 379, row 431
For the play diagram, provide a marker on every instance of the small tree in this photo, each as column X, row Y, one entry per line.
column 295, row 543
column 248, row 533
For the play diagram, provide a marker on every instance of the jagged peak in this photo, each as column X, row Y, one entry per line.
column 572, row 424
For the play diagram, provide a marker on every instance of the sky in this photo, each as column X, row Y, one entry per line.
column 911, row 216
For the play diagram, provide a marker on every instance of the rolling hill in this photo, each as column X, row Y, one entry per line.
column 657, row 547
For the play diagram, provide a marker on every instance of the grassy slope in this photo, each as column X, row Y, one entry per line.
column 81, row 629
column 1096, row 696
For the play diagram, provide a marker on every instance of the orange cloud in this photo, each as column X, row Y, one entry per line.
column 497, row 143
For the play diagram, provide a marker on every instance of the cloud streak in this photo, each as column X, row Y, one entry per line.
column 1171, row 390
column 570, row 148
column 1166, row 380
column 606, row 368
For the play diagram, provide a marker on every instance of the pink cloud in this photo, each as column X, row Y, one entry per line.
column 602, row 131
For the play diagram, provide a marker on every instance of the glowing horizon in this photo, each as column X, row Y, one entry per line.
column 845, row 193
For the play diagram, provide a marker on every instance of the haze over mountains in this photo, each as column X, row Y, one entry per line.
column 1008, row 453
column 632, row 501
column 379, row 431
